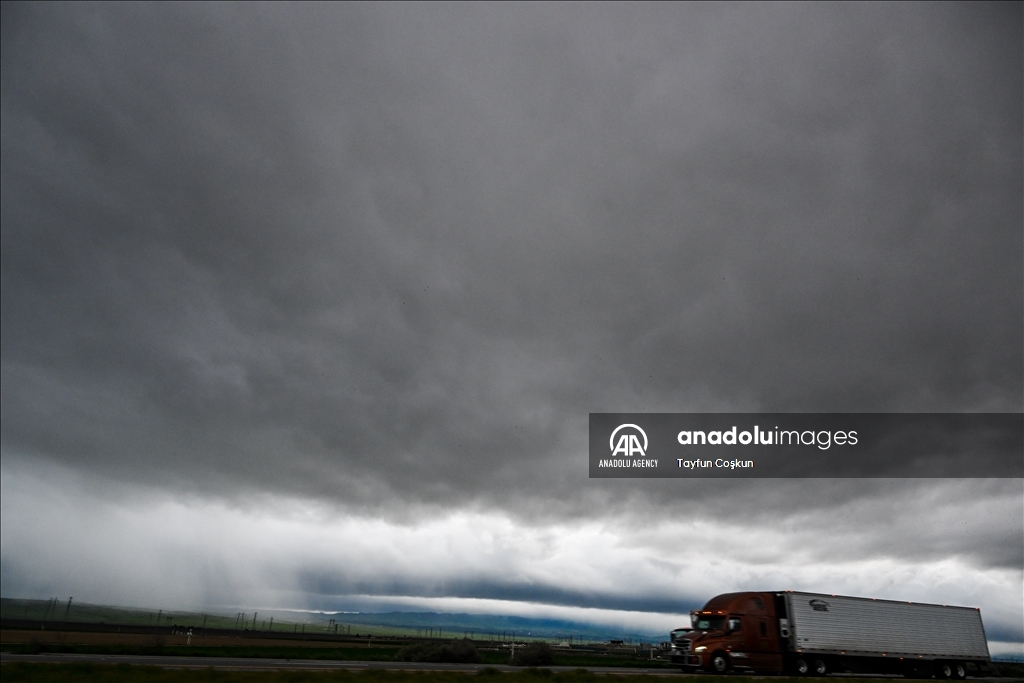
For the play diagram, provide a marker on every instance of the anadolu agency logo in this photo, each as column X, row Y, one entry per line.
column 628, row 444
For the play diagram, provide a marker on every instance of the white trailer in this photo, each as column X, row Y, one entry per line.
column 864, row 628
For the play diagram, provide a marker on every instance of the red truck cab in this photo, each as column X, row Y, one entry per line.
column 735, row 630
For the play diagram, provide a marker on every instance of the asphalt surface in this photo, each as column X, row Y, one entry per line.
column 260, row 664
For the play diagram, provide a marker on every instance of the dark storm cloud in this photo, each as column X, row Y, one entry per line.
column 390, row 252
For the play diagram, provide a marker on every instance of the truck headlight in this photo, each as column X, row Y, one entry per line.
column 702, row 648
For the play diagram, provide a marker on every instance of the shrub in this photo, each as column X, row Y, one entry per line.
column 488, row 671
column 457, row 652
column 534, row 654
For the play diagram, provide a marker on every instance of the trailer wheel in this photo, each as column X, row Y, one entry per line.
column 720, row 663
column 801, row 667
column 944, row 671
column 820, row 667
column 959, row 671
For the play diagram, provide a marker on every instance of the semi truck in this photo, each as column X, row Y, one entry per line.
column 812, row 634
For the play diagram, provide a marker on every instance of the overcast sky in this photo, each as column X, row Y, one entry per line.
column 306, row 306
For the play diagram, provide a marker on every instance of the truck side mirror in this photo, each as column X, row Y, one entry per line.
column 734, row 624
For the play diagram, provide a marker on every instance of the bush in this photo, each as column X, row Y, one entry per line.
column 534, row 654
column 455, row 652
column 488, row 671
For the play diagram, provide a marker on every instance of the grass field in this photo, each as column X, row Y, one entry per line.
column 18, row 638
column 343, row 654
column 76, row 642
column 61, row 612
column 22, row 642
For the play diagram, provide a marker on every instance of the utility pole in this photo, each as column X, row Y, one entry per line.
column 68, row 610
column 254, row 620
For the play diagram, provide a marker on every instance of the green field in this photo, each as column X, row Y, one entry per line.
column 58, row 611
column 373, row 654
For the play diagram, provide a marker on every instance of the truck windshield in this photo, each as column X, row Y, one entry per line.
column 708, row 623
column 677, row 634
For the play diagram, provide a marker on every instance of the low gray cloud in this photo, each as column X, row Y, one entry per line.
column 68, row 532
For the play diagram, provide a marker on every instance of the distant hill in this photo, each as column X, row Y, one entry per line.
column 427, row 624
column 492, row 625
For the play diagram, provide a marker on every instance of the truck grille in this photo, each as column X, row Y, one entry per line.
column 684, row 644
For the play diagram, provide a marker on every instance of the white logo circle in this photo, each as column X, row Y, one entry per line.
column 626, row 445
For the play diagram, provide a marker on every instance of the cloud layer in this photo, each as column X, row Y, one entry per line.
column 151, row 548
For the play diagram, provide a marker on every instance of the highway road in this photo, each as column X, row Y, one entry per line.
column 260, row 664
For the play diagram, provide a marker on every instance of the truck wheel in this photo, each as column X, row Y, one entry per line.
column 801, row 667
column 720, row 663
column 959, row 671
column 944, row 671
column 820, row 667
